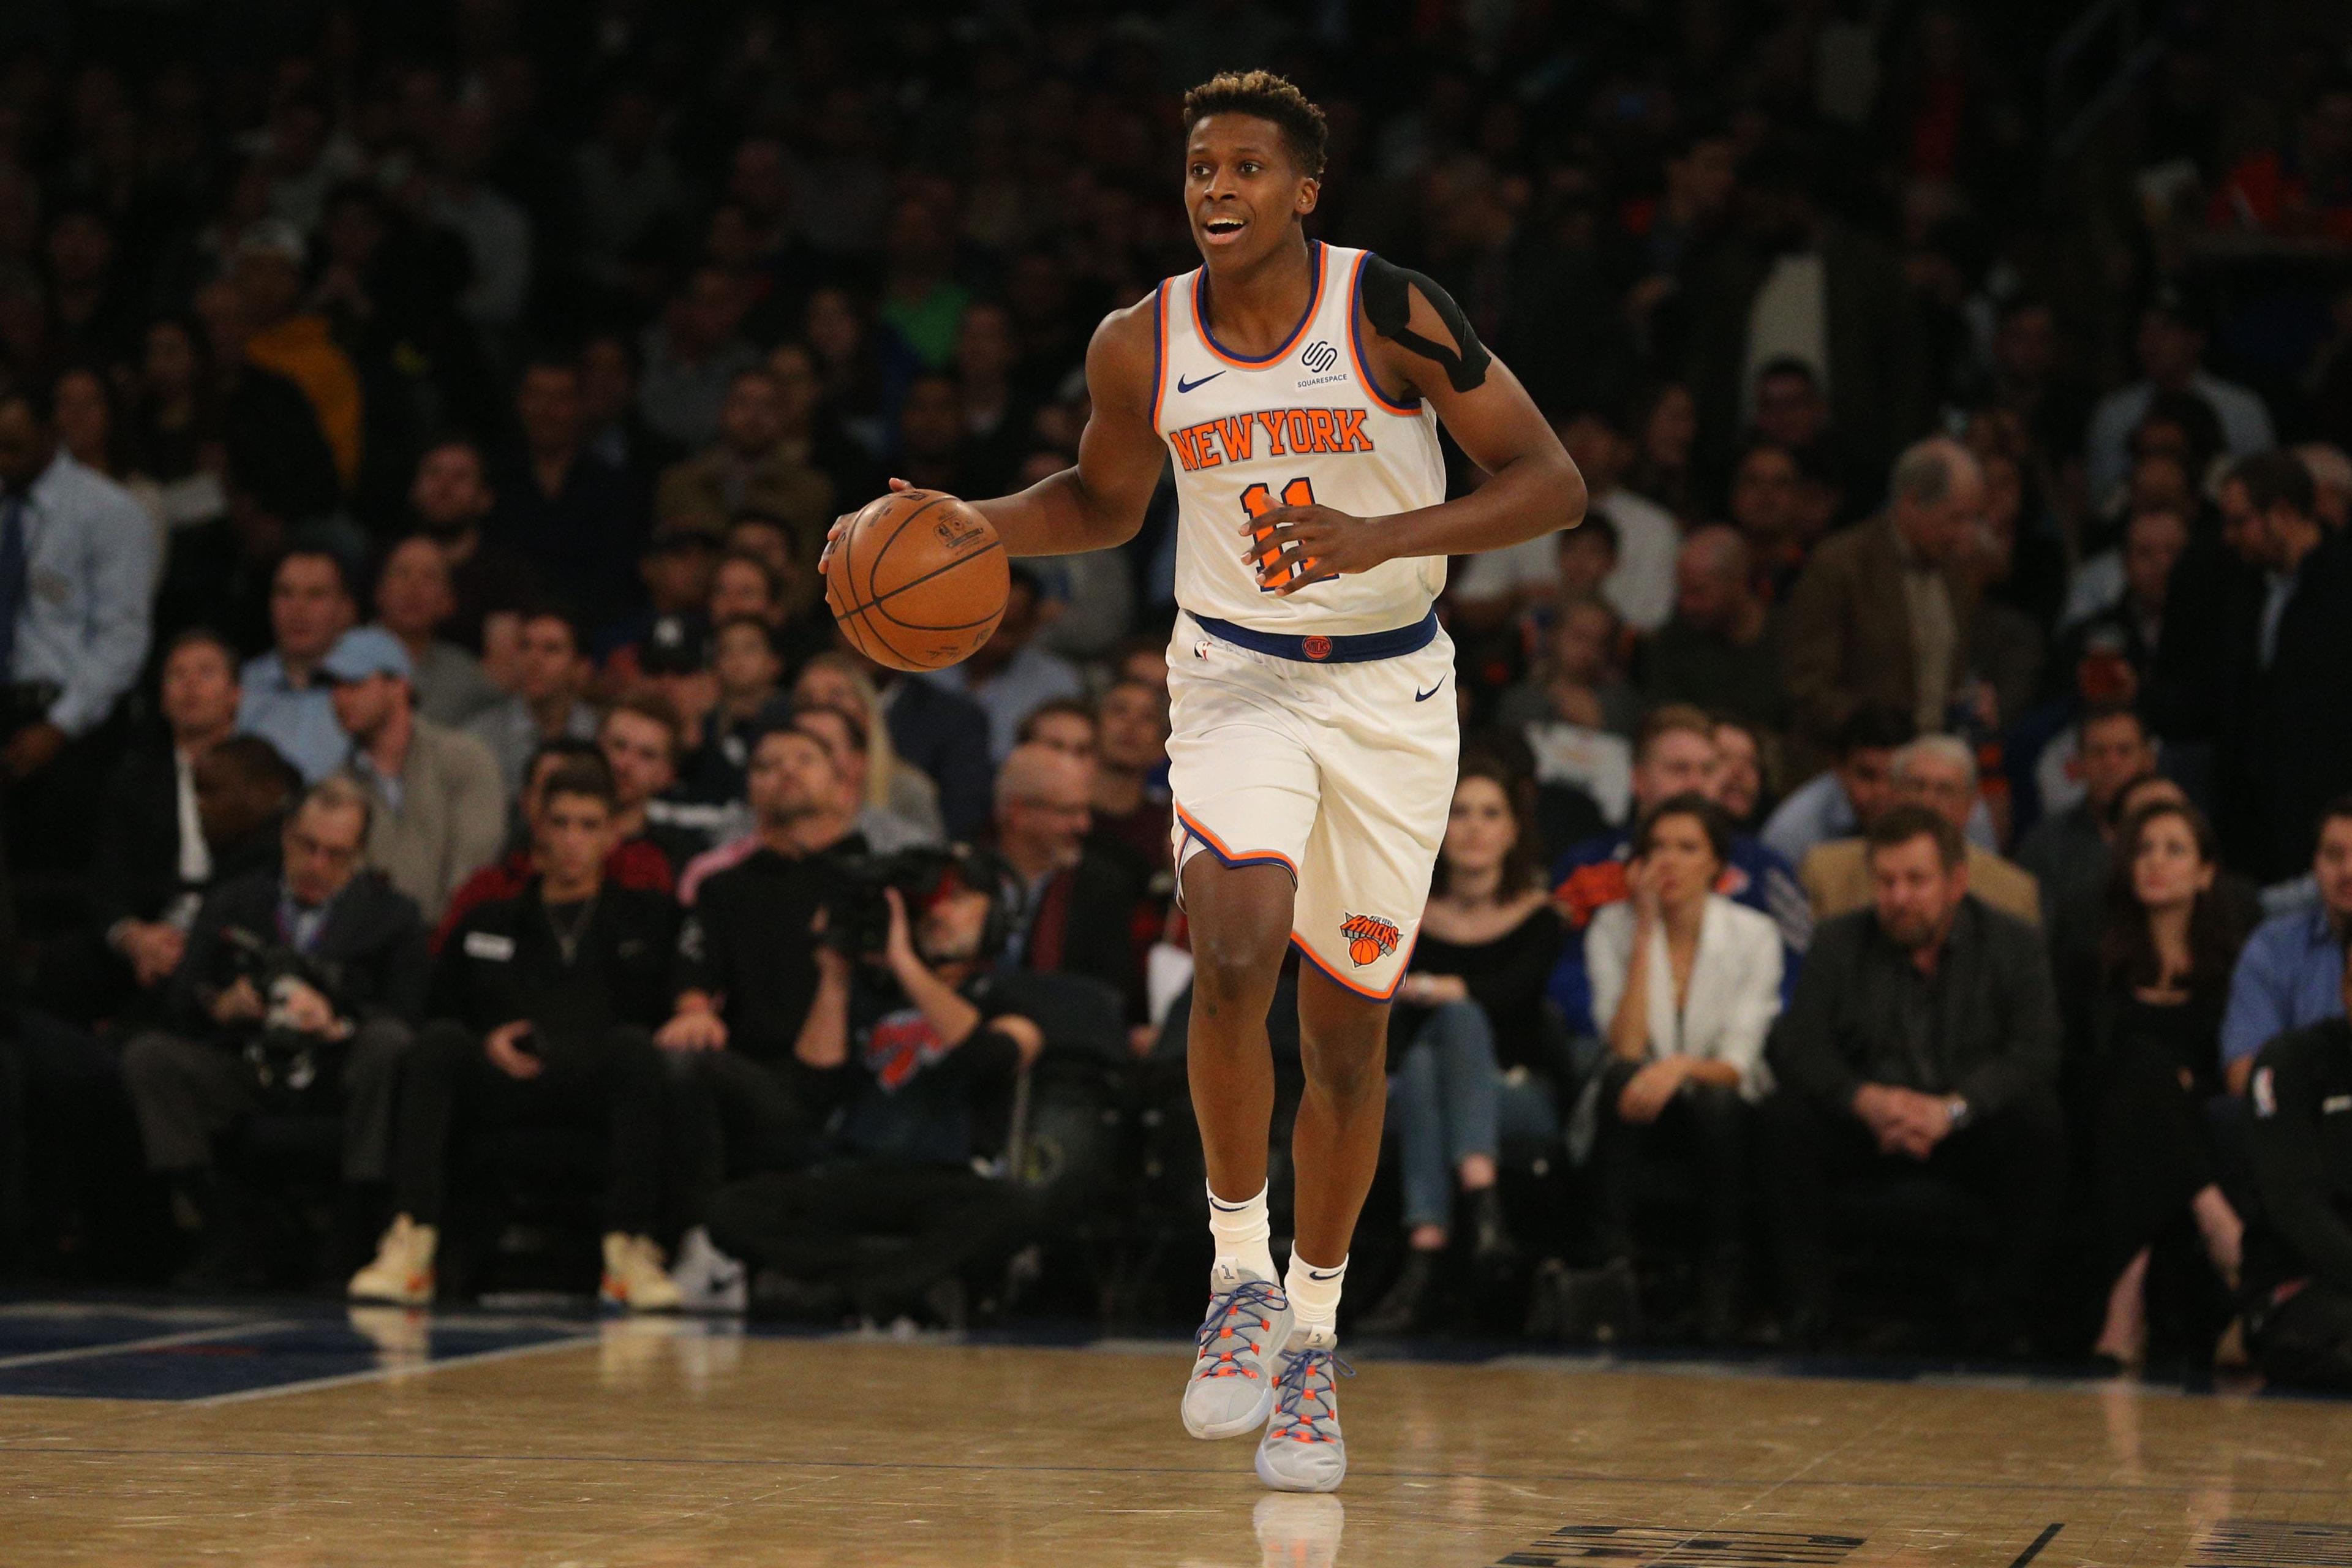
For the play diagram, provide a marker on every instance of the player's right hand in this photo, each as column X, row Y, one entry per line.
column 840, row 524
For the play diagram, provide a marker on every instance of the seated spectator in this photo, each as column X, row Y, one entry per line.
column 1009, row 675
column 893, row 782
column 633, row 863
column 2154, row 1052
column 2130, row 625
column 1721, row 650
column 2067, row 850
column 2298, row 1245
column 542, row 1006
column 451, row 500
column 753, row 467
column 640, row 739
column 245, row 791
column 1063, row 724
column 748, row 675
column 548, row 704
column 1843, row 799
column 1881, row 614
column 560, row 500
column 298, row 988
column 438, row 809
column 1079, row 906
column 904, row 1048
column 1923, row 1035
column 1471, row 1052
column 1581, row 680
column 1739, row 763
column 1939, row 773
column 747, row 972
column 2300, row 190
column 2287, row 976
column 284, row 702
column 1675, row 756
column 844, row 738
column 1765, row 508
column 2171, row 353
column 1132, row 805
column 1638, row 583
column 413, row 601
column 1685, row 984
column 153, row 861
column 677, row 566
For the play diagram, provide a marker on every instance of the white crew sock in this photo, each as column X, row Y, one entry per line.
column 1314, row 1293
column 1240, row 1231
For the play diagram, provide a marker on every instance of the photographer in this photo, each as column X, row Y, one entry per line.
column 908, row 1044
column 748, row 971
column 298, row 987
column 541, row 1006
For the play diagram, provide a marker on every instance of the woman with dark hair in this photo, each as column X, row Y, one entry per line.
column 1688, row 983
column 1476, row 1064
column 2165, row 953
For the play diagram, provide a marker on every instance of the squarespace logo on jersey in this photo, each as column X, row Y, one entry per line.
column 1288, row 432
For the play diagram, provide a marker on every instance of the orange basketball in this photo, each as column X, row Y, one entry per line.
column 917, row 580
column 1364, row 950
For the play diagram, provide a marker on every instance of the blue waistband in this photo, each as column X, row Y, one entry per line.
column 1352, row 647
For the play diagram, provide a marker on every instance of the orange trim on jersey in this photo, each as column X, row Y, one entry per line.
column 1313, row 298
column 1158, row 348
column 1235, row 856
column 1356, row 348
column 1336, row 978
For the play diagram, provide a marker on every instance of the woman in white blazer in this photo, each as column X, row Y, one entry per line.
column 1685, row 984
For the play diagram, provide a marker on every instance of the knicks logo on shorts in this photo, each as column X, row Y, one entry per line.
column 1370, row 938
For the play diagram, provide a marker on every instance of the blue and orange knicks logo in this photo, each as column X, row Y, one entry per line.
column 1370, row 938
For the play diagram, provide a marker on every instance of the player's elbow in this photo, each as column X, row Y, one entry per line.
column 1569, row 495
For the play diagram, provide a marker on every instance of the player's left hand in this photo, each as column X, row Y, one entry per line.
column 1315, row 542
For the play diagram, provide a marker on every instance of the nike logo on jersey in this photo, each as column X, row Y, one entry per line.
column 1425, row 696
column 1182, row 385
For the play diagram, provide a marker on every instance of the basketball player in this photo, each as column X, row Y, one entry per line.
column 1298, row 387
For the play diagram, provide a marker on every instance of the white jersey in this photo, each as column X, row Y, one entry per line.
column 1308, row 424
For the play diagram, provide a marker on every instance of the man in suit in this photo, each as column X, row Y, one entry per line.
column 152, row 857
column 2282, row 682
column 1881, row 614
column 1794, row 283
column 299, row 987
column 1938, row 772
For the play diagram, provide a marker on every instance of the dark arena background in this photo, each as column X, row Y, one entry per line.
column 521, row 1045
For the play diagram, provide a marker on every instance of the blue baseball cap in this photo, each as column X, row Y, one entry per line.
column 364, row 651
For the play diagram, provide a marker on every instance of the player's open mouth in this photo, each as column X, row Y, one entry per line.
column 1224, row 227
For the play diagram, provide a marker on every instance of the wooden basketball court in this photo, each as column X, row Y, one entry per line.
column 184, row 1437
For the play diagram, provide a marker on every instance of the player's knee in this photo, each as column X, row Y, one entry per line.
column 1346, row 1066
column 1239, row 961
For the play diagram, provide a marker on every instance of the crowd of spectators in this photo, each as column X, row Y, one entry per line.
column 1905, row 827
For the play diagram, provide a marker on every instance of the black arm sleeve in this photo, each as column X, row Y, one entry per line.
column 1388, row 305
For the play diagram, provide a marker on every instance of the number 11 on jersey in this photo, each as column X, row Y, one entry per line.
column 1258, row 500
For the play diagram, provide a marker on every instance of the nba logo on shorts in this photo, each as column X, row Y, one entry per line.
column 1319, row 357
column 1370, row 938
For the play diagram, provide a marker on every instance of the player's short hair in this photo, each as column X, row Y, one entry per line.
column 1268, row 97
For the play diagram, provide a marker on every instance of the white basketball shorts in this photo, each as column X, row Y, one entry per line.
column 1342, row 772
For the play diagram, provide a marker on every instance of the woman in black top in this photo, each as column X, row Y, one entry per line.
column 2165, row 960
column 1473, row 1067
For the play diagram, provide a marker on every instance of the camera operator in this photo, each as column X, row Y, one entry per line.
column 299, row 987
column 908, row 1045
column 747, row 971
column 541, row 1009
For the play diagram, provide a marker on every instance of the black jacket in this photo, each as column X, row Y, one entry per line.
column 370, row 950
column 945, row 733
column 1082, row 921
column 2302, row 1150
column 747, row 942
column 137, row 869
column 503, row 961
column 1992, row 1014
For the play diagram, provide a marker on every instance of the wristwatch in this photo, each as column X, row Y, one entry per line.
column 1959, row 1109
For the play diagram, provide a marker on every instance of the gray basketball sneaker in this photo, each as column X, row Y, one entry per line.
column 1302, row 1450
column 1231, row 1388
